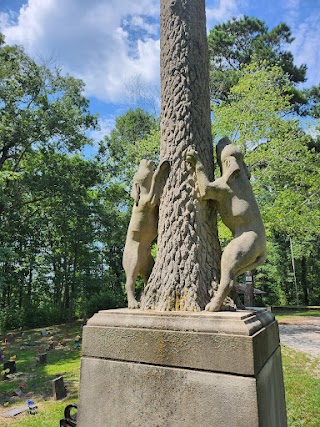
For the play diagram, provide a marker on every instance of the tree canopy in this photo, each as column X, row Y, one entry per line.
column 233, row 45
column 61, row 231
column 64, row 216
column 258, row 116
column 135, row 136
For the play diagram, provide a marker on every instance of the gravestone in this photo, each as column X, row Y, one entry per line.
column 14, row 412
column 59, row 390
column 10, row 364
column 18, row 392
column 41, row 358
column 171, row 363
column 50, row 346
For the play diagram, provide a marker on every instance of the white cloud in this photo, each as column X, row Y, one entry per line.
column 292, row 11
column 90, row 39
column 304, row 24
column 106, row 125
column 137, row 22
column 222, row 11
column 305, row 47
column 7, row 19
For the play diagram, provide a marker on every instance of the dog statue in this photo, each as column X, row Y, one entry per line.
column 235, row 202
column 143, row 227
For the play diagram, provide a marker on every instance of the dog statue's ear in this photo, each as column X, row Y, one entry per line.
column 135, row 192
column 158, row 182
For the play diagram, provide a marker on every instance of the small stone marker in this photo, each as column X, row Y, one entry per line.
column 42, row 358
column 59, row 390
column 10, row 364
column 14, row 412
column 249, row 290
column 18, row 392
column 50, row 346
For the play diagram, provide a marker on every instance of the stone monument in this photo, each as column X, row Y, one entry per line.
column 171, row 363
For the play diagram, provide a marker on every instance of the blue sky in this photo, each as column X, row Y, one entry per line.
column 113, row 45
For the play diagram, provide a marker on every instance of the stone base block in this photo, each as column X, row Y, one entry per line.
column 147, row 369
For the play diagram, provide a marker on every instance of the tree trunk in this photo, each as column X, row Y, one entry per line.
column 73, row 281
column 304, row 282
column 186, row 271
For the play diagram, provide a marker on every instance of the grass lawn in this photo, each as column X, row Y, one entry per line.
column 302, row 385
column 289, row 314
column 301, row 376
column 63, row 360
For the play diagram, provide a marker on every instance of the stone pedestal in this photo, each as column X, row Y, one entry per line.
column 181, row 369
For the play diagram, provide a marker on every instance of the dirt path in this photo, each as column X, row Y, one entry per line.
column 302, row 334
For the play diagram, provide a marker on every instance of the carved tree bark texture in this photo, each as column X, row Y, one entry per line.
column 186, row 271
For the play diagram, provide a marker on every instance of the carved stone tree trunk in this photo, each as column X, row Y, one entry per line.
column 187, row 265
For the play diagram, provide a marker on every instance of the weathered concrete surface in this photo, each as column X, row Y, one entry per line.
column 177, row 344
column 130, row 394
column 135, row 373
column 270, row 393
column 242, row 322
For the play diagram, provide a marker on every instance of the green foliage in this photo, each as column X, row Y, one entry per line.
column 61, row 232
column 256, row 108
column 234, row 44
column 258, row 117
column 135, row 137
column 313, row 107
column 39, row 108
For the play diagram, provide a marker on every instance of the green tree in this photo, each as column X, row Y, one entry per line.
column 258, row 116
column 61, row 229
column 233, row 45
column 135, row 136
column 40, row 109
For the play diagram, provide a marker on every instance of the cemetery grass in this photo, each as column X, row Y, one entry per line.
column 301, row 374
column 291, row 314
column 302, row 386
column 63, row 360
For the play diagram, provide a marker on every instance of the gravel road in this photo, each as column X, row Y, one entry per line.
column 302, row 334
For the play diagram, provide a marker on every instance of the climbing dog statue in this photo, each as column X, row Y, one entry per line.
column 235, row 202
column 143, row 227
